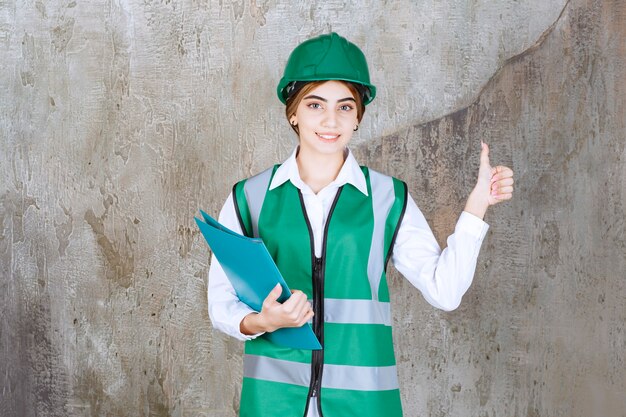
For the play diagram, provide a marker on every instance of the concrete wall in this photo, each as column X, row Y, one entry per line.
column 119, row 119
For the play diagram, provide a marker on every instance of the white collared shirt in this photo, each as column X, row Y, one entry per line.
column 441, row 276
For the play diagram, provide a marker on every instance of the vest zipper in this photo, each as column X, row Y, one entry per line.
column 318, row 327
column 318, row 265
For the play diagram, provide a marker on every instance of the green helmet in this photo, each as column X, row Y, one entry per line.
column 327, row 57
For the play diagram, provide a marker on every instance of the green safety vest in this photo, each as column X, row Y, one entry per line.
column 355, row 372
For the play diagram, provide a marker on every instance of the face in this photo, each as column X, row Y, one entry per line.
column 326, row 118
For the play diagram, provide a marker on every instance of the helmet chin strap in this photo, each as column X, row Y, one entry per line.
column 293, row 87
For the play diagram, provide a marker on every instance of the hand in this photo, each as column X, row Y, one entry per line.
column 292, row 313
column 494, row 185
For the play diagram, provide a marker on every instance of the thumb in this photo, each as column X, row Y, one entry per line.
column 484, row 154
column 274, row 294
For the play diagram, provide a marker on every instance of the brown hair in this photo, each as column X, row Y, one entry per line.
column 294, row 100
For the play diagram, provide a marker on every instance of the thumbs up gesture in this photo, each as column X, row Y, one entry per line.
column 494, row 185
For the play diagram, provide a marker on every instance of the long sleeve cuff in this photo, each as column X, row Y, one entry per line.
column 238, row 318
column 472, row 225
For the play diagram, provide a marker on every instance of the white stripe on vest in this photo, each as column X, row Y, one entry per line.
column 359, row 378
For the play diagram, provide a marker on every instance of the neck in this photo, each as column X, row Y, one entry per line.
column 317, row 171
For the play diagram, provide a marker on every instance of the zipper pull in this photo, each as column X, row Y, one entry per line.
column 317, row 266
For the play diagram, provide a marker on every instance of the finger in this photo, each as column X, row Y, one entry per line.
column 502, row 172
column 295, row 302
column 505, row 181
column 301, row 302
column 502, row 183
column 306, row 318
column 503, row 197
column 306, row 309
column 300, row 309
column 503, row 190
column 484, row 154
column 273, row 295
column 297, row 296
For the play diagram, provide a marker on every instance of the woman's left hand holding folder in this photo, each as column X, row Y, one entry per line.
column 292, row 313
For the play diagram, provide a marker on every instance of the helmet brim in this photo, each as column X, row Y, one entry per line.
column 281, row 89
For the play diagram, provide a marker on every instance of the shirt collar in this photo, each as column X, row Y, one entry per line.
column 350, row 173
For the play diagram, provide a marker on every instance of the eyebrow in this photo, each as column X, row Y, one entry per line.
column 326, row 101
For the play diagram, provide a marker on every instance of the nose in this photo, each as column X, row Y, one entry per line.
column 330, row 119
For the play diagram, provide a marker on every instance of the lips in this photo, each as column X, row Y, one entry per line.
column 328, row 136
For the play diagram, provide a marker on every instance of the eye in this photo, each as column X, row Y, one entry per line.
column 314, row 105
column 346, row 107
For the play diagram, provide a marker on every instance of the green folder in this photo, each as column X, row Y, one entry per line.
column 253, row 273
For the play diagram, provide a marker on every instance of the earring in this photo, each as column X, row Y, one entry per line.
column 356, row 128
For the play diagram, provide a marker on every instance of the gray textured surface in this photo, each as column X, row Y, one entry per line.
column 119, row 119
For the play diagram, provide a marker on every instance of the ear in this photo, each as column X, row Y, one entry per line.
column 293, row 120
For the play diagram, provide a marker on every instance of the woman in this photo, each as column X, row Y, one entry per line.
column 331, row 226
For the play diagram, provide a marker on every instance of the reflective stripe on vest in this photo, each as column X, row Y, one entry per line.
column 255, row 189
column 358, row 378
column 339, row 310
column 382, row 200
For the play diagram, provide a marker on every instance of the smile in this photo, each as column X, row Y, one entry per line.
column 327, row 136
